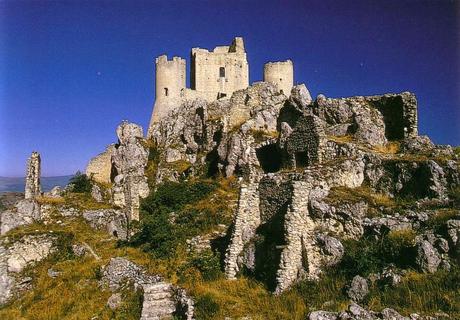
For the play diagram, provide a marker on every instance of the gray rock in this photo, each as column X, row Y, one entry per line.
column 161, row 300
column 301, row 96
column 110, row 220
column 16, row 256
column 358, row 289
column 52, row 273
column 129, row 160
column 26, row 211
column 391, row 314
column 79, row 250
column 114, row 301
column 332, row 248
column 428, row 258
column 359, row 313
column 322, row 315
column 96, row 193
column 56, row 192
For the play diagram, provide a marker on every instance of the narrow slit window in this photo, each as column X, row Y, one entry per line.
column 222, row 72
column 166, row 92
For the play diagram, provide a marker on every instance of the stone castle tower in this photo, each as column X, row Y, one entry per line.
column 213, row 75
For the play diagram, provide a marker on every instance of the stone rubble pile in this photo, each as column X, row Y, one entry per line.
column 161, row 300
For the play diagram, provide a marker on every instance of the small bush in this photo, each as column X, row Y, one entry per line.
column 208, row 263
column 369, row 255
column 206, row 307
column 166, row 219
column 80, row 183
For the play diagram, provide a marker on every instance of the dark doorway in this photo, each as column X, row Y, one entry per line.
column 269, row 158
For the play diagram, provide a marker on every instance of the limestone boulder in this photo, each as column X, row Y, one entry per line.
column 358, row 289
column 114, row 222
column 16, row 255
column 428, row 258
column 25, row 212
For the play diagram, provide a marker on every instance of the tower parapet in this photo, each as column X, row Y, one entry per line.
column 280, row 73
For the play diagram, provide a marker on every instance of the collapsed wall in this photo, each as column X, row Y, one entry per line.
column 300, row 252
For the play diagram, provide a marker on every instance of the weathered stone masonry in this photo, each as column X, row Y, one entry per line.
column 33, row 187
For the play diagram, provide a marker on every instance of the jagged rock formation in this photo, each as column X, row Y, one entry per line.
column 128, row 163
column 15, row 256
column 24, row 212
column 114, row 222
column 161, row 300
column 122, row 166
column 290, row 152
column 356, row 312
column 33, row 187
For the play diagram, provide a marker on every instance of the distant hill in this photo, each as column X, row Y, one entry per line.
column 17, row 184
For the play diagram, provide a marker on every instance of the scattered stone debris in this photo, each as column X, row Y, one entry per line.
column 160, row 300
column 15, row 256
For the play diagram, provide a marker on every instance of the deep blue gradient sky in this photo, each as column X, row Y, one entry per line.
column 71, row 71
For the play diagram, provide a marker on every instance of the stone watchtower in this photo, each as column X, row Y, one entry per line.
column 280, row 73
column 169, row 84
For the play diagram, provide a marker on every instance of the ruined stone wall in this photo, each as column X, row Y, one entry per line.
column 246, row 221
column 400, row 114
column 99, row 168
column 220, row 72
column 305, row 142
column 33, row 187
column 280, row 73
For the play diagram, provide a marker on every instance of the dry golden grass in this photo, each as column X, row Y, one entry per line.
column 391, row 147
column 341, row 139
column 74, row 294
column 339, row 194
column 179, row 165
column 244, row 297
column 85, row 201
column 50, row 200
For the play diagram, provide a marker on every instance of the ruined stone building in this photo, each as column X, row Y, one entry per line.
column 214, row 75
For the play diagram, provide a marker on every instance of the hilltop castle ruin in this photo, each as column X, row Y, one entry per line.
column 214, row 75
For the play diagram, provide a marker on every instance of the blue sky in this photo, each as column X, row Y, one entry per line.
column 70, row 71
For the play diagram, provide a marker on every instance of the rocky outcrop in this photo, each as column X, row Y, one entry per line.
column 358, row 289
column 114, row 222
column 128, row 163
column 33, row 186
column 25, row 212
column 161, row 300
column 15, row 255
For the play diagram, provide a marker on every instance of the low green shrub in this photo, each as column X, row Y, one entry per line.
column 168, row 219
column 206, row 307
column 208, row 263
column 80, row 183
column 370, row 255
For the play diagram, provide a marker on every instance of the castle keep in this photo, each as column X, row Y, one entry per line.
column 214, row 75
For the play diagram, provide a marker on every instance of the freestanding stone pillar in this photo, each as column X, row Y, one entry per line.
column 33, row 187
